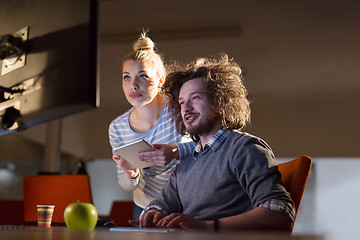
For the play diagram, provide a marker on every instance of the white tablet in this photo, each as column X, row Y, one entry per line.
column 132, row 229
column 130, row 151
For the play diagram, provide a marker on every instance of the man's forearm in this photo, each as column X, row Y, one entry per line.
column 258, row 218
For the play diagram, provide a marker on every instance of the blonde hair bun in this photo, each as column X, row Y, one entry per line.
column 144, row 44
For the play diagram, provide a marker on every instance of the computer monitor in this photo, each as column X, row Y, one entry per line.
column 49, row 66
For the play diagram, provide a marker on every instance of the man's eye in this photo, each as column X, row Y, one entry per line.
column 181, row 103
column 195, row 97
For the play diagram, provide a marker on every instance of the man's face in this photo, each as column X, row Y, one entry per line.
column 196, row 114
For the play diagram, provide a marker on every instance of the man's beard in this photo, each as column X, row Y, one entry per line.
column 202, row 127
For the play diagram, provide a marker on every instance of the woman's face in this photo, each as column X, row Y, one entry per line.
column 140, row 82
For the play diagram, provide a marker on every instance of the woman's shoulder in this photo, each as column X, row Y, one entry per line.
column 123, row 118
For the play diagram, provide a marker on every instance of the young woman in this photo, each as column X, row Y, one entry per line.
column 142, row 77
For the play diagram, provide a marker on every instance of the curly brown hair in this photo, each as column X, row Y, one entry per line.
column 225, row 90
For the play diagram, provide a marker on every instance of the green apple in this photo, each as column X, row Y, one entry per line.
column 80, row 216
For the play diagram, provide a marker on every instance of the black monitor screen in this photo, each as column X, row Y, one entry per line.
column 48, row 61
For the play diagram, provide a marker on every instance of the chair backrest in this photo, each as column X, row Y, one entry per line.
column 121, row 212
column 11, row 212
column 294, row 175
column 58, row 190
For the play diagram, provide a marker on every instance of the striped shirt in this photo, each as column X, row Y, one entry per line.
column 150, row 181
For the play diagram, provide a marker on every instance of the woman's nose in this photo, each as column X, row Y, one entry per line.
column 134, row 85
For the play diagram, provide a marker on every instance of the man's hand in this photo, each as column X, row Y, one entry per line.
column 185, row 222
column 149, row 219
column 156, row 219
column 163, row 155
column 130, row 170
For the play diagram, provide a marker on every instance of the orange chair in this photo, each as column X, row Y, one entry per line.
column 58, row 190
column 121, row 212
column 294, row 175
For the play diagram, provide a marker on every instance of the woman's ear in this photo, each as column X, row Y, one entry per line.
column 161, row 80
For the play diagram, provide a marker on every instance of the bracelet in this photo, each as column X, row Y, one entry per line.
column 216, row 224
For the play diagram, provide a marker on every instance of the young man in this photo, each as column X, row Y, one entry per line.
column 231, row 181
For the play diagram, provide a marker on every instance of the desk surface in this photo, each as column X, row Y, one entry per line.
column 30, row 233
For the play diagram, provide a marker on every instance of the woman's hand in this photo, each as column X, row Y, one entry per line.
column 129, row 169
column 163, row 155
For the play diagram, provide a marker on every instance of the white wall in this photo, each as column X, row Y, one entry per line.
column 337, row 198
column 104, row 186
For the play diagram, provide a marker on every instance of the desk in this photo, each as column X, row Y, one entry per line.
column 60, row 233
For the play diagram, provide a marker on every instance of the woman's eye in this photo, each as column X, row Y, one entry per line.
column 126, row 78
column 143, row 76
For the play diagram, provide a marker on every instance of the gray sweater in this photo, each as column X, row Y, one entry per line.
column 225, row 180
